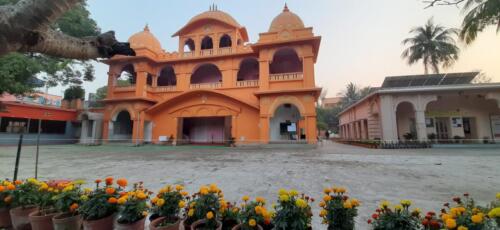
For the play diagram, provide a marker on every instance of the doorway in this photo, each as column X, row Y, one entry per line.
column 206, row 130
column 442, row 128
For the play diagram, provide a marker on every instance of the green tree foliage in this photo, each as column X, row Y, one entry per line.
column 432, row 44
column 353, row 93
column 18, row 70
column 74, row 92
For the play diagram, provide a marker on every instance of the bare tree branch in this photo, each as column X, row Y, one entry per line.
column 431, row 3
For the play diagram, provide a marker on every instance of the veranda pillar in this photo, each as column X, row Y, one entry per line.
column 420, row 123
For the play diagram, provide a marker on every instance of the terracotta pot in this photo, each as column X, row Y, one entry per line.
column 20, row 217
column 105, row 223
column 154, row 224
column 41, row 221
column 184, row 226
column 5, row 221
column 138, row 225
column 229, row 224
column 200, row 223
column 66, row 221
column 238, row 227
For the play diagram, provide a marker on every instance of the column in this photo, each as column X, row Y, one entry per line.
column 420, row 123
column 311, row 130
column 183, row 81
column 308, row 71
column 140, row 84
column 111, row 84
column 388, row 119
column 264, row 129
column 363, row 130
column 105, row 130
column 155, row 81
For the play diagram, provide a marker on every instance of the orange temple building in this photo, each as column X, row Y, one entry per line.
column 217, row 87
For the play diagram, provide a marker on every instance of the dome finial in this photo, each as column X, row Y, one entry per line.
column 146, row 28
column 285, row 9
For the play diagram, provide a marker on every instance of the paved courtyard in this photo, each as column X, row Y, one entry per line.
column 429, row 177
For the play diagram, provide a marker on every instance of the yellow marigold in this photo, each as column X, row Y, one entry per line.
column 327, row 191
column 322, row 204
column 398, row 207
column 282, row 192
column 293, row 192
column 260, row 199
column 477, row 219
column 204, row 190
column 445, row 216
column 406, row 202
column 284, row 198
column 258, row 210
column 494, row 213
column 68, row 188
column 301, row 203
column 252, row 223
column 347, row 204
column 154, row 200
column 11, row 187
column 191, row 212
column 245, row 198
column 160, row 202
column 341, row 190
column 210, row 215
column 213, row 188
column 323, row 213
column 462, row 228
column 141, row 195
column 184, row 193
column 327, row 198
column 451, row 223
column 385, row 204
column 179, row 188
column 355, row 202
column 84, row 197
column 122, row 200
column 182, row 204
column 498, row 196
column 145, row 213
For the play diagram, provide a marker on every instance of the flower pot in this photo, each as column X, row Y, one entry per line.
column 229, row 224
column 105, row 223
column 138, row 225
column 199, row 224
column 5, row 221
column 20, row 217
column 154, row 224
column 41, row 221
column 67, row 221
column 238, row 227
column 184, row 226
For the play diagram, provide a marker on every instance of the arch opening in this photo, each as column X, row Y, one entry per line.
column 122, row 126
column 405, row 120
column 206, row 73
column 207, row 43
column 286, row 124
column 225, row 41
column 189, row 45
column 285, row 60
column 249, row 70
column 167, row 77
column 127, row 76
column 149, row 80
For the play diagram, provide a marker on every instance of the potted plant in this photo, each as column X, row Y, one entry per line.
column 203, row 209
column 67, row 203
column 464, row 214
column 338, row 210
column 98, row 211
column 292, row 211
column 167, row 207
column 24, row 200
column 253, row 214
column 399, row 217
column 494, row 210
column 41, row 219
column 229, row 214
column 5, row 203
column 132, row 207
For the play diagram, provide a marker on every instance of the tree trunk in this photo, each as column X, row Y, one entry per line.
column 25, row 27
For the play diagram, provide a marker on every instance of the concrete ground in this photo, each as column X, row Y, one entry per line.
column 429, row 177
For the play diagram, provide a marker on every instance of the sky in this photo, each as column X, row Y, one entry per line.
column 361, row 39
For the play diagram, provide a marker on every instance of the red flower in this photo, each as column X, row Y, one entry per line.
column 369, row 221
column 466, row 194
column 431, row 213
column 374, row 215
column 425, row 222
column 378, row 210
column 456, row 199
column 109, row 180
column 435, row 224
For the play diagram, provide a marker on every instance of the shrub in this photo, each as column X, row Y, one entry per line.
column 254, row 213
column 205, row 205
column 6, row 188
column 24, row 193
column 101, row 202
column 338, row 210
column 132, row 205
column 292, row 211
column 464, row 214
column 74, row 92
column 169, row 203
column 397, row 218
column 70, row 198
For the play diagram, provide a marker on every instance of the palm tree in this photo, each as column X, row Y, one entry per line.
column 480, row 14
column 433, row 44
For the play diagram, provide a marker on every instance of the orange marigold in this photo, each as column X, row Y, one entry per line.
column 73, row 207
column 110, row 191
column 18, row 182
column 11, row 187
column 109, row 180
column 2, row 188
column 122, row 182
column 98, row 181
column 112, row 200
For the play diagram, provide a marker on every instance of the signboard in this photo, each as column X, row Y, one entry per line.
column 495, row 126
column 292, row 127
column 429, row 122
column 163, row 138
column 457, row 122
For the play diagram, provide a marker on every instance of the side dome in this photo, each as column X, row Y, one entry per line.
column 286, row 20
column 145, row 39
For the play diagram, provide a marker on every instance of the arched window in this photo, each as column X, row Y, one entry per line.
column 189, row 45
column 127, row 76
column 225, row 41
column 167, row 77
column 207, row 43
column 206, row 73
column 149, row 80
column 285, row 60
column 249, row 70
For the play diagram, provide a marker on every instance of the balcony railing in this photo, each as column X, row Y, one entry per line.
column 212, row 85
column 286, row 76
column 247, row 83
column 208, row 52
column 124, row 88
column 167, row 88
column 225, row 50
column 188, row 54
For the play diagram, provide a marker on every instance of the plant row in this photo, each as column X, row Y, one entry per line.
column 116, row 204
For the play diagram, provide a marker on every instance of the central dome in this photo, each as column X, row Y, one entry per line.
column 286, row 20
column 216, row 15
column 145, row 39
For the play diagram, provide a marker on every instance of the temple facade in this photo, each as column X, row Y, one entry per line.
column 217, row 87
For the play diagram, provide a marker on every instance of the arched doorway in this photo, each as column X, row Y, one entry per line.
column 206, row 73
column 189, row 45
column 167, row 77
column 249, row 70
column 286, row 125
column 225, row 41
column 406, row 124
column 122, row 127
column 285, row 60
column 207, row 43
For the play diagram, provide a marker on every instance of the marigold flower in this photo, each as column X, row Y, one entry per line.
column 109, row 180
column 398, row 207
column 11, row 187
column 301, row 203
column 18, row 182
column 451, row 223
column 282, row 192
column 327, row 198
column 213, row 188
column 477, row 219
column 462, row 228
column 494, row 213
column 293, row 192
column 112, row 200
column 341, row 190
column 182, row 204
column 110, row 191
column 179, row 188
column 98, row 181
column 252, row 223
column 141, row 195
column 258, row 210
column 260, row 199
column 322, row 204
column 355, row 202
column 160, row 202
column 405, row 202
column 245, row 198
column 191, row 212
column 385, row 204
column 122, row 182
column 7, row 199
column 2, row 188
column 73, row 207
column 204, row 190
column 284, row 198
column 184, row 193
column 323, row 213
column 347, row 204
column 210, row 215
column 122, row 200
column 327, row 190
